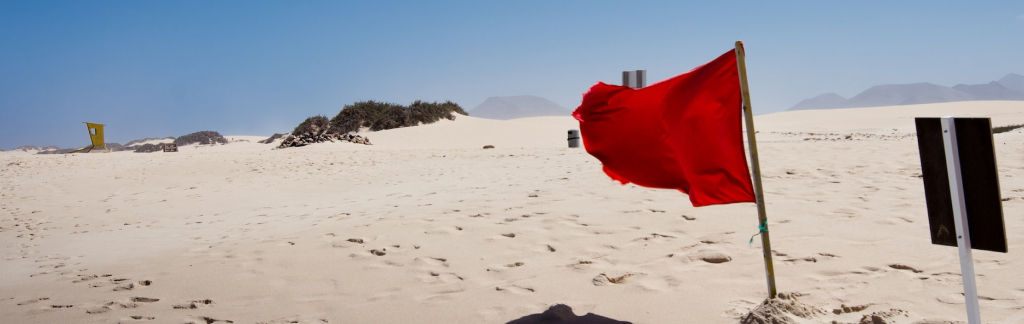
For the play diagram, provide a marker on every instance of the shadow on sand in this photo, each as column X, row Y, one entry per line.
column 563, row 314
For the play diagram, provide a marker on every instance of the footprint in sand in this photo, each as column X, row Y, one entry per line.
column 195, row 304
column 82, row 278
column 33, row 301
column 515, row 289
column 615, row 278
column 654, row 237
column 898, row 266
column 132, row 302
column 283, row 320
column 135, row 318
column 800, row 260
column 446, row 277
column 209, row 320
column 709, row 256
column 130, row 286
column 98, row 309
column 883, row 316
column 580, row 264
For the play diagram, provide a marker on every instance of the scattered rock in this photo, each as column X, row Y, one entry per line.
column 884, row 317
column 488, row 146
column 849, row 309
column 310, row 138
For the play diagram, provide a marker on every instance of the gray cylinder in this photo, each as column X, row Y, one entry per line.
column 574, row 138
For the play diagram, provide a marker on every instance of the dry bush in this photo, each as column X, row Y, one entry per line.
column 203, row 137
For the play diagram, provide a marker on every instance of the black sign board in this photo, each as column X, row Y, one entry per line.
column 980, row 183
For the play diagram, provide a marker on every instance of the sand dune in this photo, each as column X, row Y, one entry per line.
column 425, row 226
column 471, row 132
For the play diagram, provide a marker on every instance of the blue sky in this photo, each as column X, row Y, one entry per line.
column 168, row 68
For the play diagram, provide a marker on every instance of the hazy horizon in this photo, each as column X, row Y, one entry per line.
column 157, row 69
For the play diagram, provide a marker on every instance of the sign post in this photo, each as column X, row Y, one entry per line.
column 961, row 185
column 963, row 233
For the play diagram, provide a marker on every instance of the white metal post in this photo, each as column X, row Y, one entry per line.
column 963, row 233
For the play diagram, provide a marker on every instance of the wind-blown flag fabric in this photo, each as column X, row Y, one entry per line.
column 683, row 133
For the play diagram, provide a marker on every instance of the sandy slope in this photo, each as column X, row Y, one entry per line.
column 427, row 227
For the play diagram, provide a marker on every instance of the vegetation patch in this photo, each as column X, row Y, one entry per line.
column 377, row 116
column 368, row 115
column 203, row 137
column 316, row 126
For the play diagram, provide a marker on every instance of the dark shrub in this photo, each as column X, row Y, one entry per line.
column 392, row 116
column 316, row 125
column 203, row 137
column 430, row 112
column 368, row 114
column 381, row 115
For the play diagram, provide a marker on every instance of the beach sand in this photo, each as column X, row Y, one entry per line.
column 425, row 226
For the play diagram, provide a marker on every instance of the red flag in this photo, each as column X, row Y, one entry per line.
column 682, row 133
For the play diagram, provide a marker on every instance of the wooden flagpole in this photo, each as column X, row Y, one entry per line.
column 762, row 218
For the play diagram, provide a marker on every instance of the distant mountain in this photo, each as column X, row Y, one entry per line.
column 1013, row 82
column 990, row 91
column 906, row 94
column 1010, row 87
column 517, row 107
column 825, row 101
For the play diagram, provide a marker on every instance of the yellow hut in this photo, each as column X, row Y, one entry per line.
column 96, row 136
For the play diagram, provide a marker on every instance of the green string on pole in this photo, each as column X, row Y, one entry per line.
column 761, row 228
